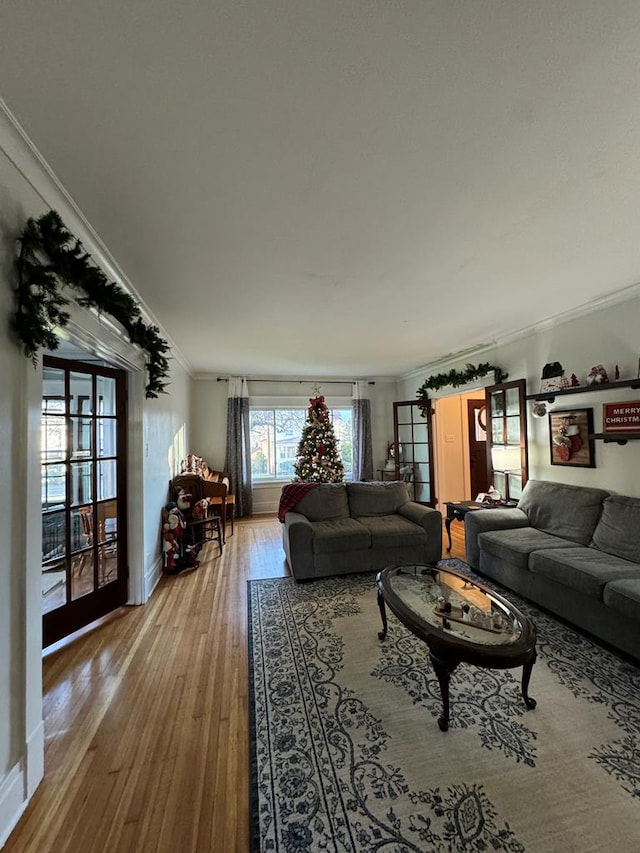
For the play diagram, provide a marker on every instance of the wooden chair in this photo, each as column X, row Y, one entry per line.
column 217, row 492
column 200, row 530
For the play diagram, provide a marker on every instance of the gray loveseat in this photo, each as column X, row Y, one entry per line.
column 574, row 550
column 338, row 528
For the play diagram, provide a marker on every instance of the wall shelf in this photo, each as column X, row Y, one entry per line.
column 585, row 389
column 616, row 437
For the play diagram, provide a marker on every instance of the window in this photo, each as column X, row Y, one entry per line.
column 275, row 435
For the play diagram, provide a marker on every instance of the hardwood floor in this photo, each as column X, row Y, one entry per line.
column 146, row 717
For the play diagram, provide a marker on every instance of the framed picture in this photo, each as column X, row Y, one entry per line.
column 569, row 438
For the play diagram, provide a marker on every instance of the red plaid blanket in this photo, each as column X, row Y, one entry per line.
column 291, row 494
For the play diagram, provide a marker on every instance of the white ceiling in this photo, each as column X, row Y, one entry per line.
column 341, row 187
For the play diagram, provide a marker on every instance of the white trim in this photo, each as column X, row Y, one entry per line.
column 13, row 801
column 138, row 590
column 152, row 577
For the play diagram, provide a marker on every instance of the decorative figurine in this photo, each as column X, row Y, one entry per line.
column 597, row 376
column 574, row 381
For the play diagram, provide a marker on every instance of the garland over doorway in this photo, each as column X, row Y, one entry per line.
column 50, row 259
column 456, row 378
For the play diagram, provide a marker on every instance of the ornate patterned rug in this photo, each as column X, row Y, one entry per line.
column 348, row 756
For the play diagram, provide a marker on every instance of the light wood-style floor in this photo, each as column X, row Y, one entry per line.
column 146, row 716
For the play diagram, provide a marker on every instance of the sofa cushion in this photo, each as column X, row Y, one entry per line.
column 367, row 499
column 391, row 531
column 570, row 512
column 324, row 501
column 339, row 534
column 618, row 531
column 624, row 596
column 583, row 569
column 514, row 546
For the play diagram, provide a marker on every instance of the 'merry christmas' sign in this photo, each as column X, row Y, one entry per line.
column 621, row 417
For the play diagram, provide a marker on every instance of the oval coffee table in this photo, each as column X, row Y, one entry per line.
column 461, row 621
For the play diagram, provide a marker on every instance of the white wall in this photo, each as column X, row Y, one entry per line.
column 156, row 429
column 606, row 335
column 209, row 416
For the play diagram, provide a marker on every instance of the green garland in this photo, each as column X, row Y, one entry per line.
column 457, row 378
column 51, row 258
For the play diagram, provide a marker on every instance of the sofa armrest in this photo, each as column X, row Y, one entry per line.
column 430, row 519
column 297, row 540
column 481, row 520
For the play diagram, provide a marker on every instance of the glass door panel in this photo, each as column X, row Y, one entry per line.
column 83, row 494
column 414, row 462
column 507, row 459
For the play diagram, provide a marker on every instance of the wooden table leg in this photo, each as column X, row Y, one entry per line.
column 443, row 670
column 526, row 675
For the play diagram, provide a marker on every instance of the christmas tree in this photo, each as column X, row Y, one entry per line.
column 318, row 458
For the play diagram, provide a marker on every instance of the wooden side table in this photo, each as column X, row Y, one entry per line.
column 456, row 511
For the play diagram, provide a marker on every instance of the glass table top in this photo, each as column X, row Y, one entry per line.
column 450, row 602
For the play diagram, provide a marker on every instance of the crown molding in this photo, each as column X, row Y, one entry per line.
column 625, row 294
column 27, row 160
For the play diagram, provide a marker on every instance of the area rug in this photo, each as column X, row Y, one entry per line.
column 347, row 755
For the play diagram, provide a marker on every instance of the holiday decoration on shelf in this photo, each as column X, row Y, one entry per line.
column 50, row 260
column 597, row 375
column 553, row 378
column 456, row 378
column 318, row 460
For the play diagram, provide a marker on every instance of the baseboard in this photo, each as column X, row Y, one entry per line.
column 152, row 578
column 20, row 783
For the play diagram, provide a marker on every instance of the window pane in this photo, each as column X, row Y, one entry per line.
column 421, row 452
column 513, row 430
column 52, row 389
column 107, row 445
column 80, row 482
column 81, row 527
column 54, row 486
column 53, row 439
column 405, row 434
column 53, row 536
column 81, row 387
column 106, row 479
column 107, row 521
column 262, row 440
column 80, row 438
column 497, row 431
column 497, row 403
column 106, row 391
column 513, row 401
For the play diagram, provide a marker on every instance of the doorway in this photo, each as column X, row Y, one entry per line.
column 460, row 447
column 83, row 485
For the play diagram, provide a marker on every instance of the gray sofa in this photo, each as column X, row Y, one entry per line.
column 574, row 550
column 339, row 528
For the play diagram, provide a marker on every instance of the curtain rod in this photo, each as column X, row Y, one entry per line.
column 302, row 381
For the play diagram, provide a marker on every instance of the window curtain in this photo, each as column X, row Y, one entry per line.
column 237, row 461
column 362, row 448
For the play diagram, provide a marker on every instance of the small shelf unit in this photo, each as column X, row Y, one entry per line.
column 584, row 389
column 607, row 437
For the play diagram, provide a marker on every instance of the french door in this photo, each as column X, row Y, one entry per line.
column 83, row 475
column 414, row 450
column 507, row 456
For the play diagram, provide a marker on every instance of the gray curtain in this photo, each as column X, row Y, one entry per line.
column 237, row 461
column 362, row 450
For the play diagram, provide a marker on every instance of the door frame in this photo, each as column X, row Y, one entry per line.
column 77, row 613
